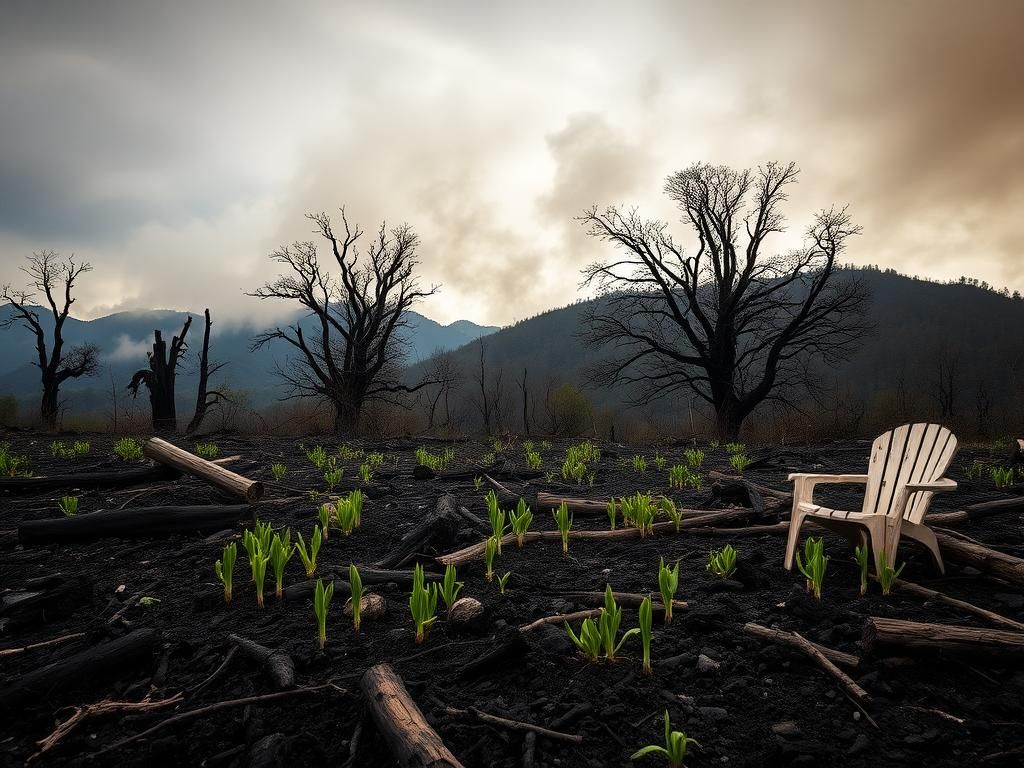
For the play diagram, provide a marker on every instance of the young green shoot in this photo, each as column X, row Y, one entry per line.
column 365, row 473
column 521, row 519
column 208, row 451
column 533, row 459
column 345, row 513
column 1002, row 476
column 694, row 457
column 611, row 514
column 588, row 640
column 325, row 513
column 563, row 519
column 347, row 453
column 671, row 512
column 478, row 483
column 813, row 564
column 278, row 470
column 308, row 556
column 608, row 625
column 860, row 553
column 490, row 550
column 356, row 584
column 321, row 602
column 280, row 553
column 659, row 461
column 722, row 562
column 332, row 476
column 502, row 580
column 668, row 584
column 497, row 517
column 68, row 505
column 128, row 449
column 422, row 603
column 735, row 449
column 739, row 462
column 225, row 568
column 886, row 574
column 258, row 559
column 676, row 746
column 317, row 456
column 450, row 588
column 645, row 620
column 639, row 464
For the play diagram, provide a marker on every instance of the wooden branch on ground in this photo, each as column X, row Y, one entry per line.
column 143, row 522
column 967, row 551
column 44, row 644
column 558, row 618
column 909, row 588
column 514, row 725
column 93, row 663
column 109, row 479
column 409, row 737
column 169, row 455
column 977, row 511
column 789, row 638
column 276, row 663
column 855, row 691
column 435, row 531
column 475, row 551
column 880, row 633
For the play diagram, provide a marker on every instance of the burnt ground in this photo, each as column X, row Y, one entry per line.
column 754, row 704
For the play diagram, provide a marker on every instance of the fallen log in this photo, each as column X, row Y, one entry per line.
column 739, row 481
column 144, row 522
column 967, row 551
column 787, row 638
column 436, row 531
column 276, row 663
column 880, row 633
column 25, row 608
column 475, row 551
column 399, row 721
column 169, row 455
column 909, row 588
column 118, row 478
column 857, row 693
column 99, row 661
column 977, row 511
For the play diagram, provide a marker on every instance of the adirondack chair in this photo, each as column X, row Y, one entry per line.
column 904, row 472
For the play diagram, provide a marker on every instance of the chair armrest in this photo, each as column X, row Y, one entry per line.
column 818, row 479
column 942, row 484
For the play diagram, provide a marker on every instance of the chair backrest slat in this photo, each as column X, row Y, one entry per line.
column 911, row 453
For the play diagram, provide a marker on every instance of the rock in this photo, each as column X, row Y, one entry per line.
column 787, row 728
column 371, row 606
column 421, row 472
column 707, row 664
column 553, row 640
column 467, row 613
column 714, row 714
column 861, row 744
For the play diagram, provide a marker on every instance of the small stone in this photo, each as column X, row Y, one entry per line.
column 788, row 728
column 371, row 606
column 707, row 664
column 713, row 713
column 861, row 744
column 467, row 612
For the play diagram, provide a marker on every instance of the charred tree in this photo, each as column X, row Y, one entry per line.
column 159, row 378
column 206, row 398
column 55, row 279
column 732, row 323
column 352, row 353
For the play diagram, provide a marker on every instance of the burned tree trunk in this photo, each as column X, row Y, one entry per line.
column 205, row 397
column 159, row 378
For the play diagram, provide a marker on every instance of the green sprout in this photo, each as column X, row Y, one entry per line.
column 549, row 477
column 713, row 445
column 77, row 449
column 974, row 470
column 677, row 744
column 659, row 461
column 347, row 453
column 739, row 462
column 281, row 552
column 437, row 462
column 886, row 574
column 321, row 602
column 671, row 512
column 563, row 519
column 694, row 457
column 365, row 473
column 478, row 483
column 208, row 451
column 278, row 470
column 450, row 588
column 68, row 505
column 588, row 640
column 638, row 510
column 645, row 632
column 128, row 449
column 355, row 498
column 639, row 464
column 611, row 514
column 313, row 496
column 487, row 459
column 422, row 603
column 356, row 587
column 80, row 448
column 375, row 459
column 527, row 445
column 722, row 562
column 332, row 476
column 860, row 553
column 345, row 514
column 545, row 445
column 1002, row 476
column 326, row 512
column 813, row 564
column 317, row 456
column 490, row 550
column 668, row 584
column 57, row 448
column 681, row 476
column 521, row 519
column 225, row 568
column 501, row 581
column 533, row 460
column 594, row 638
column 735, row 449
column 148, row 602
column 258, row 559
column 308, row 556
column 497, row 517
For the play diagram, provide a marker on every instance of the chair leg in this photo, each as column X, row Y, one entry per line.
column 876, row 530
column 795, row 521
column 923, row 535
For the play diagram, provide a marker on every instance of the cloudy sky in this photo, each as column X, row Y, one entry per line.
column 175, row 144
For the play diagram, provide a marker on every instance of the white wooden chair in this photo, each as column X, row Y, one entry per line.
column 904, row 472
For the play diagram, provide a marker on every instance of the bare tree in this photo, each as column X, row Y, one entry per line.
column 489, row 397
column 729, row 321
column 160, row 377
column 946, row 369
column 443, row 373
column 206, row 398
column 525, row 392
column 55, row 278
column 353, row 353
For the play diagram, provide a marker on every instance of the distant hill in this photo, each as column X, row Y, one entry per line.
column 124, row 339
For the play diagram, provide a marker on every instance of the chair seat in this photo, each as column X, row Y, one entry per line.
column 816, row 510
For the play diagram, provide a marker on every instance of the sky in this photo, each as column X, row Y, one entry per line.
column 175, row 145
